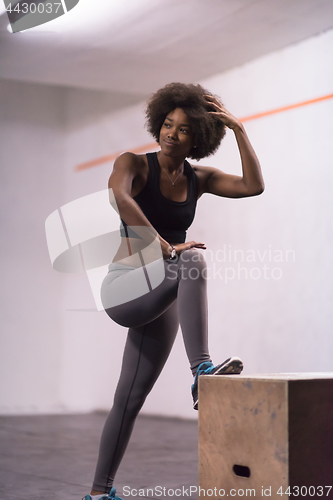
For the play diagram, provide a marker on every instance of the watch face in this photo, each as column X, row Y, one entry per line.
column 172, row 254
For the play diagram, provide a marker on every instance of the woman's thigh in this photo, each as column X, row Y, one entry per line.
column 148, row 302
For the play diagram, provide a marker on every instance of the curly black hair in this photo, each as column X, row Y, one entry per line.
column 208, row 130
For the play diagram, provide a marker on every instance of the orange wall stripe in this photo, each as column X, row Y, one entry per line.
column 146, row 147
column 286, row 108
column 106, row 159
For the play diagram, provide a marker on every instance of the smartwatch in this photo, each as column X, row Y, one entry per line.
column 172, row 253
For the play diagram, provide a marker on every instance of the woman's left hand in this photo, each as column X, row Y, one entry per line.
column 219, row 110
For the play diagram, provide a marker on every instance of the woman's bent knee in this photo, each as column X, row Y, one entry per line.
column 193, row 264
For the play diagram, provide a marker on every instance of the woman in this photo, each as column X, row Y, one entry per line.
column 156, row 197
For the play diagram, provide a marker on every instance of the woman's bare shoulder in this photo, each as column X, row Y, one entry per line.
column 203, row 173
column 199, row 169
column 130, row 169
column 131, row 161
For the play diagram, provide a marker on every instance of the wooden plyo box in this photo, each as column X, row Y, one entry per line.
column 266, row 433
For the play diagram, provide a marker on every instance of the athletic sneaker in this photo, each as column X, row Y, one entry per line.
column 89, row 497
column 110, row 496
column 230, row 366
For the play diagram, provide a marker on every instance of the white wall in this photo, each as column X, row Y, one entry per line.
column 32, row 183
column 276, row 325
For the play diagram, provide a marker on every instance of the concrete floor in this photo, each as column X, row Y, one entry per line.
column 53, row 457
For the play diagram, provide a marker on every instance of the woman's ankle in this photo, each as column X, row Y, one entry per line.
column 94, row 492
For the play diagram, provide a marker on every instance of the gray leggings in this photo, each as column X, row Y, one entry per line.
column 153, row 320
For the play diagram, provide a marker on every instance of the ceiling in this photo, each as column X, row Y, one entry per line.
column 131, row 47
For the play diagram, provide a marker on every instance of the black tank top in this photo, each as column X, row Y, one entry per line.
column 171, row 219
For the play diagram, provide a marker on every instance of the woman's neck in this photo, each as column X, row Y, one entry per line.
column 172, row 164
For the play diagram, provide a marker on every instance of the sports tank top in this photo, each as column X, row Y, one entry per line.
column 171, row 219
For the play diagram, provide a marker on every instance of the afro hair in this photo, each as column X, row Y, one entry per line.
column 208, row 130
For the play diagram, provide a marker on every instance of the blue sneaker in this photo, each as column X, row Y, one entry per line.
column 231, row 366
column 102, row 497
column 110, row 496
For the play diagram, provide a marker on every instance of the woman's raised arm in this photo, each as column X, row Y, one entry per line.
column 233, row 186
